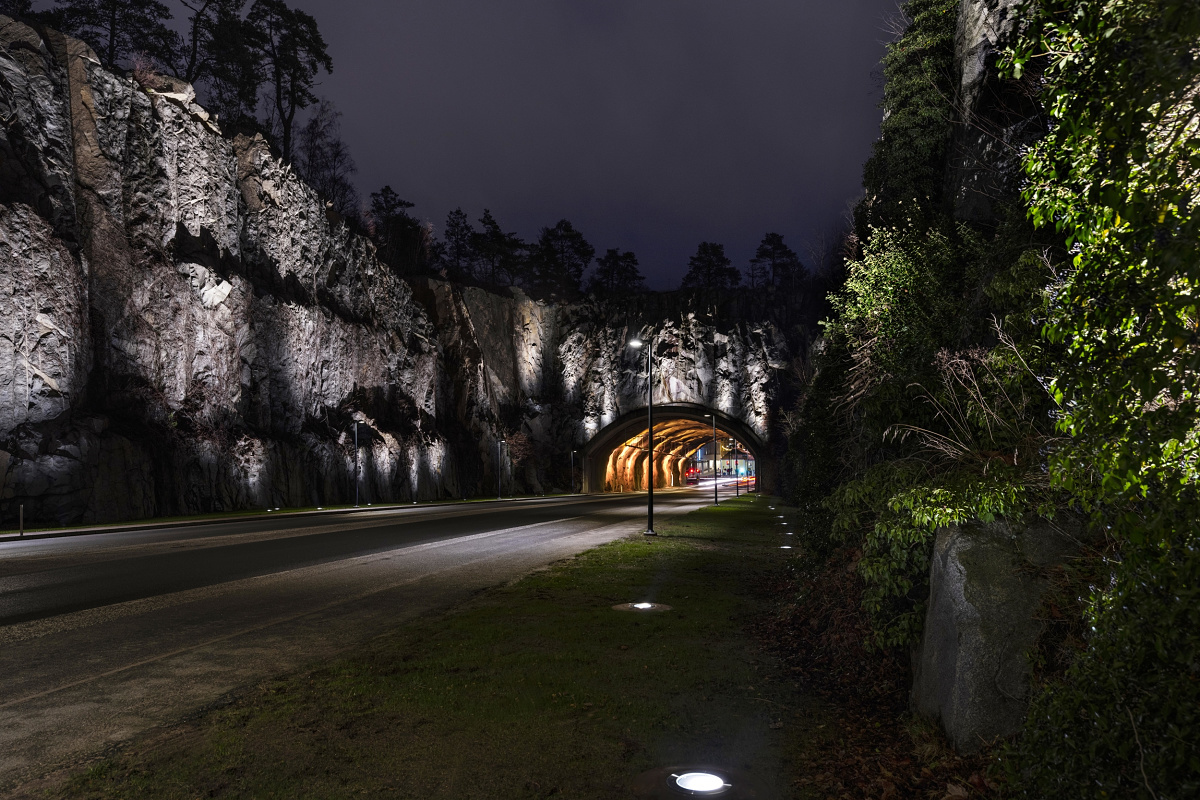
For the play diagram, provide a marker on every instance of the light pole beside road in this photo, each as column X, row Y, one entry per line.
column 716, row 500
column 650, row 427
column 499, row 492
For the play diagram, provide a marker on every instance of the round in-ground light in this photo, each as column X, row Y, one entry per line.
column 785, row 547
column 700, row 783
column 642, row 606
column 695, row 780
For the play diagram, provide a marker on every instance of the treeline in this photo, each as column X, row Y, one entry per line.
column 1042, row 362
column 254, row 65
column 560, row 263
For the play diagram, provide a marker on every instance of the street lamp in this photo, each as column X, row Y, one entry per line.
column 716, row 501
column 572, row 472
column 356, row 480
column 636, row 343
column 737, row 477
column 499, row 493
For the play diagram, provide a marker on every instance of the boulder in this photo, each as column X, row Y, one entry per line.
column 986, row 582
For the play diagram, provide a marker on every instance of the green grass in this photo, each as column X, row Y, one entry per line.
column 536, row 689
column 217, row 516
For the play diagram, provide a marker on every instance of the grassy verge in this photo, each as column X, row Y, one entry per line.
column 533, row 690
column 238, row 515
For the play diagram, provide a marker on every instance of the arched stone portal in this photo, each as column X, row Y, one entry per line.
column 615, row 458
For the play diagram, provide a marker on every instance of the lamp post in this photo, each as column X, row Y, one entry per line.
column 716, row 500
column 499, row 493
column 356, row 481
column 572, row 472
column 737, row 476
column 650, row 428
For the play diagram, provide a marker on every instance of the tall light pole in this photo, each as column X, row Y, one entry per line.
column 716, row 501
column 356, row 481
column 737, row 478
column 650, row 427
column 572, row 472
column 499, row 493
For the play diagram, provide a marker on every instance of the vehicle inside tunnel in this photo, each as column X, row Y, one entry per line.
column 688, row 449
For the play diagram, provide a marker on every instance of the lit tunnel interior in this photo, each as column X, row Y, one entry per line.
column 677, row 443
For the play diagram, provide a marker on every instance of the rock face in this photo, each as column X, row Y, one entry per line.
column 183, row 327
column 997, row 118
column 971, row 671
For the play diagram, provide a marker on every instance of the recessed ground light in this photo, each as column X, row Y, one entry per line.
column 694, row 780
column 700, row 783
column 785, row 547
column 319, row 508
column 642, row 606
column 787, row 533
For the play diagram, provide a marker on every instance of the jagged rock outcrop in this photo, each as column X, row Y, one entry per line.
column 997, row 118
column 184, row 328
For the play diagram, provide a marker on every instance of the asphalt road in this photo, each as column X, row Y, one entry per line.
column 107, row 636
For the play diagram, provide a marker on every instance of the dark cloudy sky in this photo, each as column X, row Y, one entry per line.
column 651, row 124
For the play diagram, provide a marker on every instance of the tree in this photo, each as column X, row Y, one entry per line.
column 232, row 71
column 711, row 269
column 402, row 241
column 457, row 251
column 500, row 256
column 292, row 52
column 617, row 274
column 774, row 263
column 559, row 259
column 121, row 29
column 324, row 160
column 200, row 51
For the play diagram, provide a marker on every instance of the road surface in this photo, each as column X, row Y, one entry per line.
column 106, row 636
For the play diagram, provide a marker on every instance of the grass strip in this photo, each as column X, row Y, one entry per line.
column 537, row 689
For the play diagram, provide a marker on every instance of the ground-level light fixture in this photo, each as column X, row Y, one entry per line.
column 700, row 783
column 642, row 606
column 785, row 547
column 694, row 780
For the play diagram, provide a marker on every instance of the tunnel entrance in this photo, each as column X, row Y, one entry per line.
column 616, row 459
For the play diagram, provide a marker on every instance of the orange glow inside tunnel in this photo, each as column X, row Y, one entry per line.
column 676, row 442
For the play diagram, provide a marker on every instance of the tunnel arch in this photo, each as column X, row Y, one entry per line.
column 679, row 429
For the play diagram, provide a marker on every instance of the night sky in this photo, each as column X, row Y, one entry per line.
column 651, row 125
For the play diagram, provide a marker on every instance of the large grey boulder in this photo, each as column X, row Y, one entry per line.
column 986, row 582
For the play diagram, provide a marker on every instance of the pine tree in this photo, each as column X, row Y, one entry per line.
column 457, row 251
column 775, row 263
column 500, row 256
column 558, row 260
column 120, row 30
column 402, row 241
column 292, row 52
column 711, row 269
column 232, row 70
column 617, row 275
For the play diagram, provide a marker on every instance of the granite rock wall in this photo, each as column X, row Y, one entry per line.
column 184, row 328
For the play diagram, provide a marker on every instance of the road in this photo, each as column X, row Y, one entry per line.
column 106, row 636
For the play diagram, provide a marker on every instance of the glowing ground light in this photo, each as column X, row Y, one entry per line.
column 700, row 782
column 643, row 606
column 785, row 547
